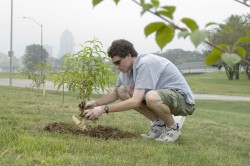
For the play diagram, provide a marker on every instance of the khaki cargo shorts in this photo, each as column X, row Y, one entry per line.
column 176, row 102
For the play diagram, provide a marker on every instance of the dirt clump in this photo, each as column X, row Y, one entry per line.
column 101, row 132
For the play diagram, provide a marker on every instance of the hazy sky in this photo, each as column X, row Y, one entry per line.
column 107, row 22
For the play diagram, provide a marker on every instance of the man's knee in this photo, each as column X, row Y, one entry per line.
column 152, row 98
column 123, row 93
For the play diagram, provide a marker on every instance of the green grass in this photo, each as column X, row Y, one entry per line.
column 217, row 83
column 21, row 76
column 218, row 133
column 14, row 75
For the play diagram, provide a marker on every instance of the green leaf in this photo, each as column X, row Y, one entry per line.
column 213, row 57
column 211, row 23
column 224, row 46
column 225, row 27
column 116, row 1
column 191, row 24
column 59, row 85
column 170, row 9
column 244, row 39
column 241, row 51
column 142, row 2
column 153, row 27
column 231, row 59
column 183, row 34
column 146, row 7
column 197, row 37
column 96, row 2
column 164, row 35
column 166, row 13
column 155, row 3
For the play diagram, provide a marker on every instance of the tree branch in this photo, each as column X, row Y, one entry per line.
column 244, row 3
column 245, row 61
column 222, row 50
column 156, row 14
column 184, row 29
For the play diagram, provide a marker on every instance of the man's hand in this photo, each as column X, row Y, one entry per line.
column 94, row 113
column 86, row 105
column 90, row 104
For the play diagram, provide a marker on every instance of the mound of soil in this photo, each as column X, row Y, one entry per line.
column 101, row 132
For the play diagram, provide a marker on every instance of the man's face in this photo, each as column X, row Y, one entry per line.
column 122, row 64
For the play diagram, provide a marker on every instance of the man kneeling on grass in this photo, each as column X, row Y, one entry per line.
column 149, row 84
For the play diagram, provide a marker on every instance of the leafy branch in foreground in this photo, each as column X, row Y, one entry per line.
column 165, row 32
column 244, row 2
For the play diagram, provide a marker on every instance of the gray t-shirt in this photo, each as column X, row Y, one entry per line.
column 151, row 72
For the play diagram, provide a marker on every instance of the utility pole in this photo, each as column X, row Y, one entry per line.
column 41, row 55
column 11, row 52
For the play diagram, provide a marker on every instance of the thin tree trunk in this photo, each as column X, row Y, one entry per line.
column 63, row 96
column 44, row 89
column 237, row 71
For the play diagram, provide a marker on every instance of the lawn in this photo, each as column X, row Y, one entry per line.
column 14, row 75
column 218, row 133
column 217, row 83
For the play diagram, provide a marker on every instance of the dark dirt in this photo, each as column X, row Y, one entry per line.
column 101, row 132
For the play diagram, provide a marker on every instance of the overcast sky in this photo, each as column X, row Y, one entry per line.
column 107, row 22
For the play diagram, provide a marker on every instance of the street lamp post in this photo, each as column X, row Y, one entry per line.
column 41, row 49
column 41, row 34
column 11, row 52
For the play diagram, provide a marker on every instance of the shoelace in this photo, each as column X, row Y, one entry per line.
column 152, row 130
column 164, row 134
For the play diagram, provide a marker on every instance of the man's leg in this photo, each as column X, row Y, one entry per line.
column 163, row 111
column 158, row 125
column 143, row 109
column 155, row 103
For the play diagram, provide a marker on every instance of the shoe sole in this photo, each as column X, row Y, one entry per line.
column 169, row 141
column 147, row 137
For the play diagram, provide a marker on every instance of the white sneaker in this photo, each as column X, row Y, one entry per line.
column 155, row 132
column 180, row 120
column 169, row 135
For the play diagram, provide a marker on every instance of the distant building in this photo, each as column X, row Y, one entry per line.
column 49, row 49
column 50, row 59
column 67, row 43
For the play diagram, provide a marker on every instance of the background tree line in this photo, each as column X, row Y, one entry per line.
column 239, row 25
column 179, row 56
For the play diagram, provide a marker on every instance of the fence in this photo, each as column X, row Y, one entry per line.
column 195, row 67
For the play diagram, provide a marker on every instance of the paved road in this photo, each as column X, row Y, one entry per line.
column 220, row 97
column 50, row 86
column 24, row 83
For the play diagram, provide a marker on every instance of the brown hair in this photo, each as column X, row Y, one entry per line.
column 121, row 48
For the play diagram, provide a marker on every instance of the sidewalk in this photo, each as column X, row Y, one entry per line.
column 220, row 97
column 50, row 86
column 24, row 83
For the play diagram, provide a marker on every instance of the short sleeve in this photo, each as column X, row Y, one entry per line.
column 146, row 77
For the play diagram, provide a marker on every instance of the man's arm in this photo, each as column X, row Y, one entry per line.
column 131, row 103
column 107, row 98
